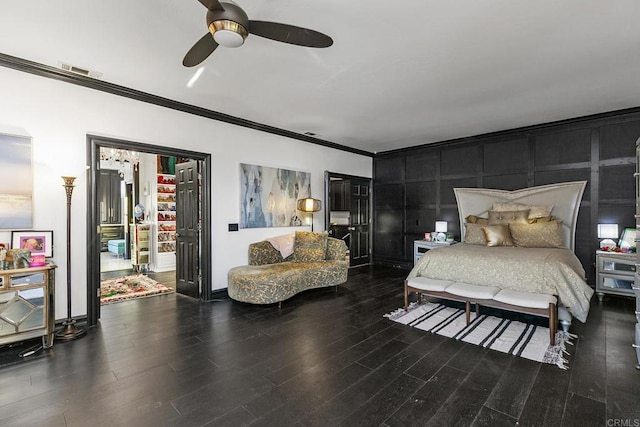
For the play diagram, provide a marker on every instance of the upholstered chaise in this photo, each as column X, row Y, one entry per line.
column 269, row 278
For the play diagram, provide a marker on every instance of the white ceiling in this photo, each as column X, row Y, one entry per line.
column 399, row 74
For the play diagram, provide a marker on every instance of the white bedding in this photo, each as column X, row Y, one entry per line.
column 537, row 270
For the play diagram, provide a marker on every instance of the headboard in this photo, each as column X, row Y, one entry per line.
column 565, row 198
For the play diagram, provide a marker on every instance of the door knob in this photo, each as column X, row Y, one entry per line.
column 351, row 228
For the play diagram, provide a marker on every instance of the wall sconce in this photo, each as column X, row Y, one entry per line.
column 309, row 205
column 607, row 232
column 441, row 229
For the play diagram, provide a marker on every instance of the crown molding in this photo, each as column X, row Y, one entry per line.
column 608, row 117
column 58, row 74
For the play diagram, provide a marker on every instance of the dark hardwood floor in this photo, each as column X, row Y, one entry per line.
column 325, row 358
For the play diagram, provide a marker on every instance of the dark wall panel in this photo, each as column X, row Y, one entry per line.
column 447, row 196
column 389, row 247
column 389, row 221
column 506, row 182
column 420, row 221
column 423, row 165
column 615, row 183
column 506, row 156
column 389, row 196
column 459, row 160
column 566, row 175
column 563, row 148
column 453, row 221
column 619, row 140
column 389, row 169
column 600, row 150
column 421, row 195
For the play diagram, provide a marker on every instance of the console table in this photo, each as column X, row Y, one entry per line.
column 27, row 304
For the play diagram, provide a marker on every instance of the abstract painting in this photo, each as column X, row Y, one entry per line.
column 269, row 195
column 16, row 186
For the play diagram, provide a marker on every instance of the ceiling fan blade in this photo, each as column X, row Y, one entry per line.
column 211, row 4
column 289, row 34
column 200, row 51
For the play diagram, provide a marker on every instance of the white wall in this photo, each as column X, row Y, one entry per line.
column 58, row 116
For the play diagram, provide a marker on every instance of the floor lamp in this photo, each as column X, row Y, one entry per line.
column 309, row 205
column 70, row 331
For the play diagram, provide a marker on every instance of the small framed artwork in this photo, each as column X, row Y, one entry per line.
column 628, row 238
column 38, row 242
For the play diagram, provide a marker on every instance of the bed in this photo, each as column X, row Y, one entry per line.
column 522, row 267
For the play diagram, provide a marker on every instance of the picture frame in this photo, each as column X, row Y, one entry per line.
column 37, row 241
column 268, row 196
column 628, row 238
column 16, row 194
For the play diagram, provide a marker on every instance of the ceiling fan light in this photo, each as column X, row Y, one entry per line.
column 228, row 33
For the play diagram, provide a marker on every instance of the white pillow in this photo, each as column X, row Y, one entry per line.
column 284, row 244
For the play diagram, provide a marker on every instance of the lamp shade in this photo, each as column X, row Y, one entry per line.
column 441, row 226
column 309, row 205
column 607, row 231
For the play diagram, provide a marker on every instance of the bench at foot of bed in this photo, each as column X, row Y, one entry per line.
column 544, row 305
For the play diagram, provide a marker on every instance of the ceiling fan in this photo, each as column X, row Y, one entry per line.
column 229, row 26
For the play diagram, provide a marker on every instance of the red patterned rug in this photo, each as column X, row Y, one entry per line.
column 129, row 287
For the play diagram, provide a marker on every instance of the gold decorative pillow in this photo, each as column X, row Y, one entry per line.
column 476, row 220
column 540, row 211
column 534, row 211
column 309, row 247
column 508, row 217
column 542, row 219
column 538, row 235
column 497, row 235
column 473, row 234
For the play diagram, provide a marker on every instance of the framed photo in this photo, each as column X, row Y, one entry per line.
column 628, row 238
column 38, row 242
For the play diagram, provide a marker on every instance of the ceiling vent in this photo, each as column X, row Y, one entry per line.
column 310, row 134
column 81, row 71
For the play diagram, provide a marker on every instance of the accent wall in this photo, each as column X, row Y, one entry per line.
column 413, row 188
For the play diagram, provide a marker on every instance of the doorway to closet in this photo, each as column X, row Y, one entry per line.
column 164, row 196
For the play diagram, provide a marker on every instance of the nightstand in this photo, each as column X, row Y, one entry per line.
column 422, row 246
column 615, row 273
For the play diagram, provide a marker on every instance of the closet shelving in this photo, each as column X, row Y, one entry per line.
column 165, row 238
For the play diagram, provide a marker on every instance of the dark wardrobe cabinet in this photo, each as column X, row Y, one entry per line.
column 110, row 205
column 110, row 197
column 340, row 195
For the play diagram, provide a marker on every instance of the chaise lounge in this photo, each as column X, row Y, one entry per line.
column 317, row 261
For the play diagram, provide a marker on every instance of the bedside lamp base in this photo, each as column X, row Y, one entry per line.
column 608, row 243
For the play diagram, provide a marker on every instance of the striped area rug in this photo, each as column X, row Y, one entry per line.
column 508, row 336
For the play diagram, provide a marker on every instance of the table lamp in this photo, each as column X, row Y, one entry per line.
column 441, row 229
column 309, row 205
column 607, row 232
